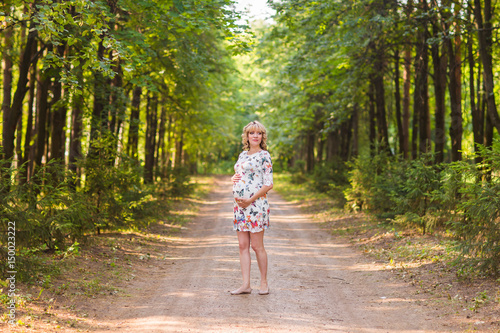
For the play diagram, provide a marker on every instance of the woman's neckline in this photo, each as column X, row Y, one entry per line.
column 254, row 153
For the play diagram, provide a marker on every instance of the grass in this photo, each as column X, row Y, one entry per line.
column 299, row 189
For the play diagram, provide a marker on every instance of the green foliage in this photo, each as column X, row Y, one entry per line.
column 178, row 184
column 44, row 209
column 375, row 182
column 303, row 192
column 477, row 217
column 222, row 167
column 480, row 300
column 331, row 173
column 419, row 195
column 114, row 191
column 298, row 172
column 406, row 192
column 462, row 196
column 331, row 178
column 47, row 209
column 35, row 267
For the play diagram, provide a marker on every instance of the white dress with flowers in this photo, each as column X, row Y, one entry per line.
column 256, row 170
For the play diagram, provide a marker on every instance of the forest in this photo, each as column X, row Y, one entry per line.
column 389, row 106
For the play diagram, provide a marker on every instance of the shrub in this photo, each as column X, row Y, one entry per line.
column 44, row 209
column 462, row 195
column 179, row 183
column 477, row 218
column 114, row 191
column 298, row 172
column 330, row 173
column 48, row 210
column 375, row 182
column 331, row 178
column 418, row 201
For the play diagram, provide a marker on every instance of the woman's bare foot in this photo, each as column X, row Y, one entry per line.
column 241, row 291
column 264, row 288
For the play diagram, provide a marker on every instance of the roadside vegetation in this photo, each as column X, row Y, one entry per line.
column 433, row 262
column 56, row 289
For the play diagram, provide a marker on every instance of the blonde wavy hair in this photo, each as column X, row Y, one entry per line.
column 254, row 125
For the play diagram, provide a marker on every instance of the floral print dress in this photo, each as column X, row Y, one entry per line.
column 256, row 170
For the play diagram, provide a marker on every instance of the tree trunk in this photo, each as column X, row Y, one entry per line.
column 7, row 74
column 99, row 120
column 179, row 146
column 455, row 89
column 484, row 29
column 160, row 159
column 19, row 129
column 355, row 130
column 11, row 117
column 406, row 87
column 421, row 92
column 321, row 145
column 346, row 137
column 332, row 146
column 19, row 141
column 41, row 112
column 151, row 124
column 406, row 102
column 75, row 145
column 170, row 138
column 372, row 119
column 378, row 82
column 310, row 151
column 29, row 149
column 488, row 142
column 439, row 64
column 397, row 98
column 477, row 115
column 415, row 132
column 116, row 100
column 488, row 132
column 58, row 137
column 133, row 131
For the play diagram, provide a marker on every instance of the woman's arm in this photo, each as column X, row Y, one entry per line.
column 244, row 203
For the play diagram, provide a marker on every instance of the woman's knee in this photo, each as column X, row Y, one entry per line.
column 244, row 241
column 244, row 247
column 258, row 247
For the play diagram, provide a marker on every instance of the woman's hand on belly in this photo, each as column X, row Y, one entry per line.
column 244, row 203
column 236, row 178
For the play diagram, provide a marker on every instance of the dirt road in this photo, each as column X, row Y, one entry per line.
column 317, row 283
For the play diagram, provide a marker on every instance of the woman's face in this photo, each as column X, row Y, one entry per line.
column 254, row 137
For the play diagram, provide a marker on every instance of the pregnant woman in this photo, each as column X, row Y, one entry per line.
column 252, row 180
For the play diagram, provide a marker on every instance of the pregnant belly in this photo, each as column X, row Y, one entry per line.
column 239, row 190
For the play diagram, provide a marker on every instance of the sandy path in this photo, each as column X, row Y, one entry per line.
column 317, row 283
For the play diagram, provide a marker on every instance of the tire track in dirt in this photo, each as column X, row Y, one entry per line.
column 317, row 283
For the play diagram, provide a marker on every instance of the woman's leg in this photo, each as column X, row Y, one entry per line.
column 245, row 261
column 257, row 242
